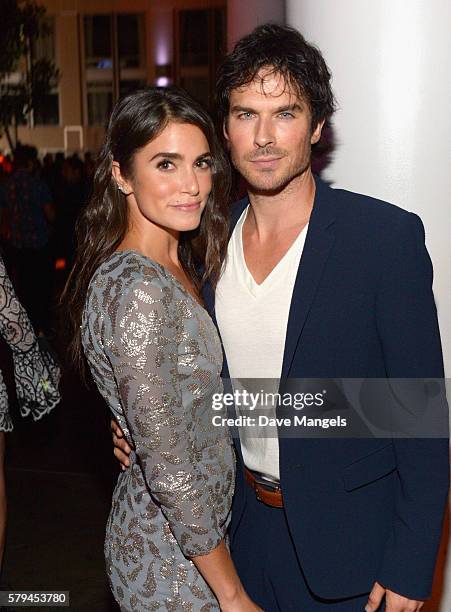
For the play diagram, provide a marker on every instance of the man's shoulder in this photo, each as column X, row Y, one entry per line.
column 366, row 207
column 370, row 223
column 353, row 210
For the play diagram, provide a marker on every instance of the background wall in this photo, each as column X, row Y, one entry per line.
column 391, row 62
column 244, row 16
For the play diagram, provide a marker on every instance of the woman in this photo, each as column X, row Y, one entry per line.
column 156, row 217
column 36, row 375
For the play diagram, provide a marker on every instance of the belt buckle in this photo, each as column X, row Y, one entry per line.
column 269, row 484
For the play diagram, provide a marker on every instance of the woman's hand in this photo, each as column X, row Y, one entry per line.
column 121, row 448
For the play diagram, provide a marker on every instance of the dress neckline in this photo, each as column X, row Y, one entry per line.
column 165, row 270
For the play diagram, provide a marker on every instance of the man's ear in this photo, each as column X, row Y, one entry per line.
column 316, row 134
column 225, row 133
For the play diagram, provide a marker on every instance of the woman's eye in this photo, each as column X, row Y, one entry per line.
column 204, row 163
column 164, row 164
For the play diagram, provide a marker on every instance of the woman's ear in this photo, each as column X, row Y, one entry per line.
column 121, row 182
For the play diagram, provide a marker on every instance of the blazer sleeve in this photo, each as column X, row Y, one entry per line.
column 408, row 329
column 143, row 351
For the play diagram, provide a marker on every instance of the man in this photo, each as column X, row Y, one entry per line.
column 322, row 283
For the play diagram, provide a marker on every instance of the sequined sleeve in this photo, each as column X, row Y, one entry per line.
column 143, row 352
column 15, row 326
column 36, row 372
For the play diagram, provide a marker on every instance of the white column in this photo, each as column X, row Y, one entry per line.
column 391, row 61
column 244, row 15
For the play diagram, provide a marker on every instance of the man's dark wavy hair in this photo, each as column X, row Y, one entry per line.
column 284, row 51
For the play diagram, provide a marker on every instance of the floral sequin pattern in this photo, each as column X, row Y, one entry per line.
column 156, row 358
column 36, row 371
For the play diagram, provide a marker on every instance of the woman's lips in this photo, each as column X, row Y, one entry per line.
column 188, row 206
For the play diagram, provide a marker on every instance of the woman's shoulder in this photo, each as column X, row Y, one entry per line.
column 128, row 283
column 124, row 271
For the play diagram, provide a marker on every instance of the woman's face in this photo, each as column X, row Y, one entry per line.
column 171, row 179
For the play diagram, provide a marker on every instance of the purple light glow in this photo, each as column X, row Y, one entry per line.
column 162, row 47
column 162, row 81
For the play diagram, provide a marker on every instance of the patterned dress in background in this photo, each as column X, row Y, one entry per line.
column 156, row 358
column 36, row 373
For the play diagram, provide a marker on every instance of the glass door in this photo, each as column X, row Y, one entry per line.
column 200, row 43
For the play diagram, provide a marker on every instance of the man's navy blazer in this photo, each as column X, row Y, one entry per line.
column 360, row 510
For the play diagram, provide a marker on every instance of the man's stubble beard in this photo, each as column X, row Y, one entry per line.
column 267, row 181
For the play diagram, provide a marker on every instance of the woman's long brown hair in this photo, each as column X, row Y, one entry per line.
column 136, row 120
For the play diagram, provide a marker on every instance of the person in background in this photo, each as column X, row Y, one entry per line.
column 36, row 375
column 73, row 196
column 48, row 171
column 30, row 212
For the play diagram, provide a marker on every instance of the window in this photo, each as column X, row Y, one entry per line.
column 46, row 109
column 194, row 38
column 131, row 52
column 100, row 102
column 43, row 47
column 130, row 36
column 199, row 47
column 114, row 61
column 98, row 47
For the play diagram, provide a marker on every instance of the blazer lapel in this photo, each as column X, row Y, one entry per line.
column 318, row 243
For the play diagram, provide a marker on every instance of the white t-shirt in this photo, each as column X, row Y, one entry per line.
column 252, row 321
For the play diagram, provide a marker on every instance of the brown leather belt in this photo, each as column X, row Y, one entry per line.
column 270, row 494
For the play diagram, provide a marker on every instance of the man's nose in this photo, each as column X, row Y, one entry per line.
column 264, row 135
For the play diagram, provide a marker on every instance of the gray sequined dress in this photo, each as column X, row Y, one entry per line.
column 156, row 358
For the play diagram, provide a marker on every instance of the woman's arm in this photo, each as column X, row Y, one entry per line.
column 219, row 572
column 143, row 351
